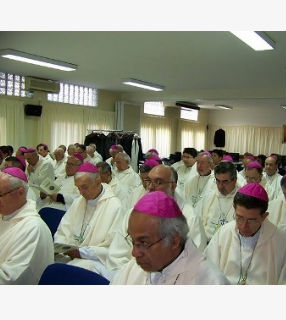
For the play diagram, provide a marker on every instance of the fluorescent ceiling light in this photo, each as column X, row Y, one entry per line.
column 257, row 40
column 37, row 60
column 144, row 85
column 221, row 106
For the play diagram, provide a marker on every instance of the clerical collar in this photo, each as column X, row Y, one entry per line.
column 205, row 175
column 13, row 214
column 93, row 202
column 155, row 276
column 249, row 242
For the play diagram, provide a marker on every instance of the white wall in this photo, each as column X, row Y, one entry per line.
column 264, row 117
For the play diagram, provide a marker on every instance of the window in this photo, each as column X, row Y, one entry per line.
column 12, row 85
column 75, row 94
column 189, row 114
column 155, row 108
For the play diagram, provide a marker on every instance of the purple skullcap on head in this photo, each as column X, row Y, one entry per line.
column 87, row 167
column 207, row 153
column 227, row 158
column 250, row 157
column 78, row 156
column 16, row 172
column 273, row 156
column 22, row 160
column 22, row 149
column 254, row 164
column 255, row 190
column 151, row 163
column 113, row 147
column 154, row 151
column 29, row 150
column 156, row 158
column 158, row 204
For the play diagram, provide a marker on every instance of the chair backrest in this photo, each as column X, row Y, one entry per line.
column 52, row 217
column 64, row 274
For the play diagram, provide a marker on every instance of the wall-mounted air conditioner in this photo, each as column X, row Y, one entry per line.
column 38, row 84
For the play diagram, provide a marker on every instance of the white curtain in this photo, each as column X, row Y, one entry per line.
column 191, row 135
column 156, row 133
column 12, row 124
column 257, row 140
column 66, row 124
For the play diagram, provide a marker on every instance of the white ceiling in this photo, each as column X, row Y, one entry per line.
column 200, row 66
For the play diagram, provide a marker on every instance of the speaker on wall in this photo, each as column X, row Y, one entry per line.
column 33, row 110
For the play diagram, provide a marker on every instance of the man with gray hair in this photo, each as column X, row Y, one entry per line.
column 157, row 230
column 124, row 172
column 91, row 221
column 25, row 240
column 198, row 186
column 217, row 208
column 59, row 164
column 95, row 157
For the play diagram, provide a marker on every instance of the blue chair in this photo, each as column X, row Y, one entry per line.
column 64, row 274
column 52, row 217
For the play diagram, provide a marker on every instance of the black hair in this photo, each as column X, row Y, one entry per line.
column 191, row 151
column 226, row 167
column 250, row 202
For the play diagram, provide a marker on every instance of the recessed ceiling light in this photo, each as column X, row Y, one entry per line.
column 221, row 106
column 257, row 40
column 37, row 60
column 143, row 85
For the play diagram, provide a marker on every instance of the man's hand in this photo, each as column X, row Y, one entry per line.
column 53, row 197
column 74, row 253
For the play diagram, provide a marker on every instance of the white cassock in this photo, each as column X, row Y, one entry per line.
column 128, row 179
column 42, row 170
column 119, row 191
column 96, row 158
column 134, row 196
column 68, row 190
column 216, row 210
column 60, row 168
column 277, row 211
column 26, row 246
column 90, row 225
column 112, row 166
column 263, row 261
column 184, row 174
column 274, row 187
column 197, row 187
column 190, row 267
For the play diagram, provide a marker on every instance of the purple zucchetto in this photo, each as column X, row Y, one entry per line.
column 153, row 151
column 78, row 156
column 29, row 150
column 16, row 172
column 227, row 158
column 114, row 147
column 254, row 190
column 206, row 153
column 158, row 204
column 156, row 158
column 23, row 162
column 87, row 167
column 151, row 163
column 254, row 164
column 250, row 157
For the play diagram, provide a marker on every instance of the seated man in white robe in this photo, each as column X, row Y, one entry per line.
column 44, row 151
column 217, row 208
column 59, row 164
column 112, row 181
column 81, row 149
column 186, row 168
column 128, row 178
column 247, row 157
column 272, row 176
column 217, row 155
column 250, row 250
column 199, row 185
column 163, row 254
column 71, row 150
column 68, row 191
column 26, row 241
column 254, row 173
column 95, row 157
column 37, row 171
column 277, row 207
column 91, row 221
column 18, row 162
column 113, row 150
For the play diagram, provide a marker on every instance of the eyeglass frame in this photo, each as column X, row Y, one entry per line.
column 157, row 183
column 250, row 222
column 141, row 246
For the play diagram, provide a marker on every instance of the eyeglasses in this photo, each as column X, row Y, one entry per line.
column 5, row 194
column 157, row 182
column 240, row 220
column 141, row 245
